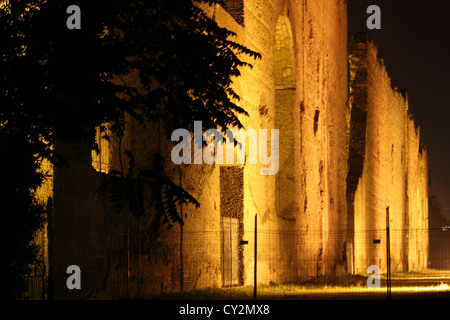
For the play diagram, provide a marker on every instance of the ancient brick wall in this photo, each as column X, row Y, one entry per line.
column 44, row 196
column 341, row 163
column 417, row 200
column 78, row 224
column 386, row 166
column 298, row 87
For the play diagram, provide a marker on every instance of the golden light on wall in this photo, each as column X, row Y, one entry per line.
column 109, row 154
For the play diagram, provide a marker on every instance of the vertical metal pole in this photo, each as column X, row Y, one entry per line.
column 181, row 258
column 388, row 255
column 128, row 252
column 139, row 259
column 231, row 252
column 181, row 235
column 256, row 255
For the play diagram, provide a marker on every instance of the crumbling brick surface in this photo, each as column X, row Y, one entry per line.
column 387, row 167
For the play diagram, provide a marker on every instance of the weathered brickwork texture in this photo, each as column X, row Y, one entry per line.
column 341, row 163
column 387, row 168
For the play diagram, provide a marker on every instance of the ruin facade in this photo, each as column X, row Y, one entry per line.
column 342, row 160
column 387, row 168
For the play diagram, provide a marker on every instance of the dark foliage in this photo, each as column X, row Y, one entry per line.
column 20, row 215
column 56, row 82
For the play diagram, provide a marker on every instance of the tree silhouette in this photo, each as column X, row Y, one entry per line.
column 437, row 219
column 56, row 82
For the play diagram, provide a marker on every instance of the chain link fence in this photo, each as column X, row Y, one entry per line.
column 292, row 264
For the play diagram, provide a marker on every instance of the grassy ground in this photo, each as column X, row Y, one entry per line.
column 429, row 284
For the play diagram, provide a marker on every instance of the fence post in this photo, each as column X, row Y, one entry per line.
column 181, row 260
column 388, row 255
column 256, row 251
column 181, row 236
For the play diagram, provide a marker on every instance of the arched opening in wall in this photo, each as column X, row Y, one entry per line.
column 285, row 84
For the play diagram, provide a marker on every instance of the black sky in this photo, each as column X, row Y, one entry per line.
column 414, row 42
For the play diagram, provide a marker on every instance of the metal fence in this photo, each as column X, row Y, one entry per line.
column 292, row 264
column 35, row 287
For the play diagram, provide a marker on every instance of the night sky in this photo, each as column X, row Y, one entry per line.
column 414, row 42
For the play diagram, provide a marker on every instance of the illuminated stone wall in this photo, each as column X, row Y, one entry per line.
column 417, row 200
column 387, row 168
column 44, row 196
column 339, row 168
column 299, row 87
